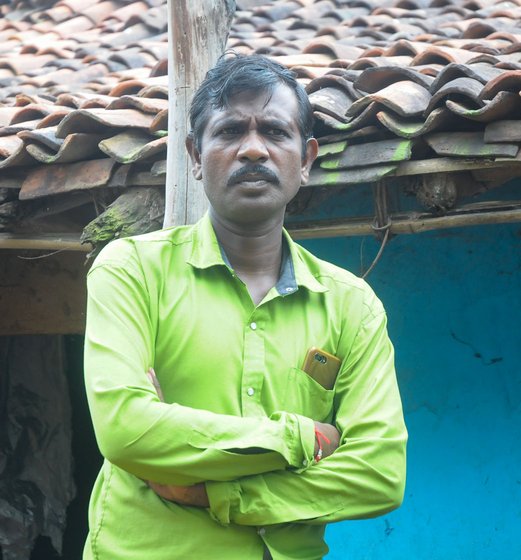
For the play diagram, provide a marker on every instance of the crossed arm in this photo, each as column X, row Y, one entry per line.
column 327, row 439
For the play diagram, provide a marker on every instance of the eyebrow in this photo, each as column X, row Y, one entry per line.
column 229, row 120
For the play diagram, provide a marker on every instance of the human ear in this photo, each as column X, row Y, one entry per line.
column 309, row 158
column 195, row 156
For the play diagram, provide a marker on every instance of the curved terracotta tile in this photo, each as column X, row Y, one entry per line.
column 48, row 180
column 98, row 120
column 93, row 101
column 334, row 78
column 406, row 128
column 370, row 20
column 31, row 112
column 24, row 63
column 144, row 104
column 127, row 87
column 509, row 80
column 13, row 25
column 76, row 6
column 75, row 147
column 58, row 13
column 12, row 129
column 159, row 125
column 504, row 59
column 133, row 58
column 99, row 11
column 481, row 45
column 444, row 55
column 304, row 60
column 466, row 88
column 135, row 33
column 365, row 116
column 157, row 49
column 157, row 91
column 13, row 152
column 7, row 114
column 332, row 101
column 310, row 73
column 154, row 18
column 72, row 26
column 132, row 146
column 397, row 12
column 374, row 79
column 333, row 49
column 277, row 11
column 503, row 104
column 478, row 29
column 317, row 10
column 405, row 98
column 403, row 47
column 68, row 100
column 44, row 136
column 54, row 118
column 6, row 74
column 483, row 72
column 124, row 13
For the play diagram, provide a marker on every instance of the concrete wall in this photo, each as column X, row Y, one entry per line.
column 454, row 303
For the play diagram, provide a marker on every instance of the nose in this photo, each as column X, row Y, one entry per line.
column 252, row 147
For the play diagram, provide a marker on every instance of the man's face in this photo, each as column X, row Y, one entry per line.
column 251, row 160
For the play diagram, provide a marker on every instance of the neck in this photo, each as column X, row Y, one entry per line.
column 254, row 249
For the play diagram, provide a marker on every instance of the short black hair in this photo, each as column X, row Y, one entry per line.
column 235, row 73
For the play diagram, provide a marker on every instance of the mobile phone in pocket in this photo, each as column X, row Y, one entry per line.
column 322, row 366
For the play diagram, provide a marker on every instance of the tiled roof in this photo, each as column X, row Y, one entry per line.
column 395, row 84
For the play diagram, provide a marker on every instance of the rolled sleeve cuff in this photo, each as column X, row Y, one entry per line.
column 306, row 443
column 299, row 439
column 223, row 496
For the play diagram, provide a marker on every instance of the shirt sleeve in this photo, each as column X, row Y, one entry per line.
column 364, row 477
column 167, row 443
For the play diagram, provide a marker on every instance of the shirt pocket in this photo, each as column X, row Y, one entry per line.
column 307, row 397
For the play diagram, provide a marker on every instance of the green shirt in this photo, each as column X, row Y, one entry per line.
column 239, row 410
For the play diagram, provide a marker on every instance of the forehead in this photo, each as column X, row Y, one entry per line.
column 280, row 104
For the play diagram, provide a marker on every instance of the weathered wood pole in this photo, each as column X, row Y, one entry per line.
column 198, row 30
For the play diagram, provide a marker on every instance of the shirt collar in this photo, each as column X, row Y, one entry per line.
column 300, row 270
column 206, row 252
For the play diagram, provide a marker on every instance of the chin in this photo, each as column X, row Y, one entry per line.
column 254, row 213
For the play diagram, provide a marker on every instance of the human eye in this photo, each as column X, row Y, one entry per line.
column 276, row 131
column 228, row 130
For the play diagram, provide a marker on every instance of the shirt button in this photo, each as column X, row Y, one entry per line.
column 253, row 326
column 289, row 289
column 305, row 463
column 250, row 391
column 261, row 531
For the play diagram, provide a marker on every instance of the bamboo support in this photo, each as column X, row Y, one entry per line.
column 44, row 242
column 402, row 225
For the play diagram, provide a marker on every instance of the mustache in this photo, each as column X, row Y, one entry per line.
column 258, row 170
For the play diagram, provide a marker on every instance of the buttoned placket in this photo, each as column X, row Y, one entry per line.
column 254, row 363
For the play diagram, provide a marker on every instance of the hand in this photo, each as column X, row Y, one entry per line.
column 333, row 436
column 185, row 495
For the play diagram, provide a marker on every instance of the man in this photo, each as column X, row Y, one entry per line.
column 252, row 451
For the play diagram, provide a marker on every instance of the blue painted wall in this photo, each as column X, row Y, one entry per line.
column 453, row 298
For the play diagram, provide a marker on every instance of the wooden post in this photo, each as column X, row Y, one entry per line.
column 198, row 30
